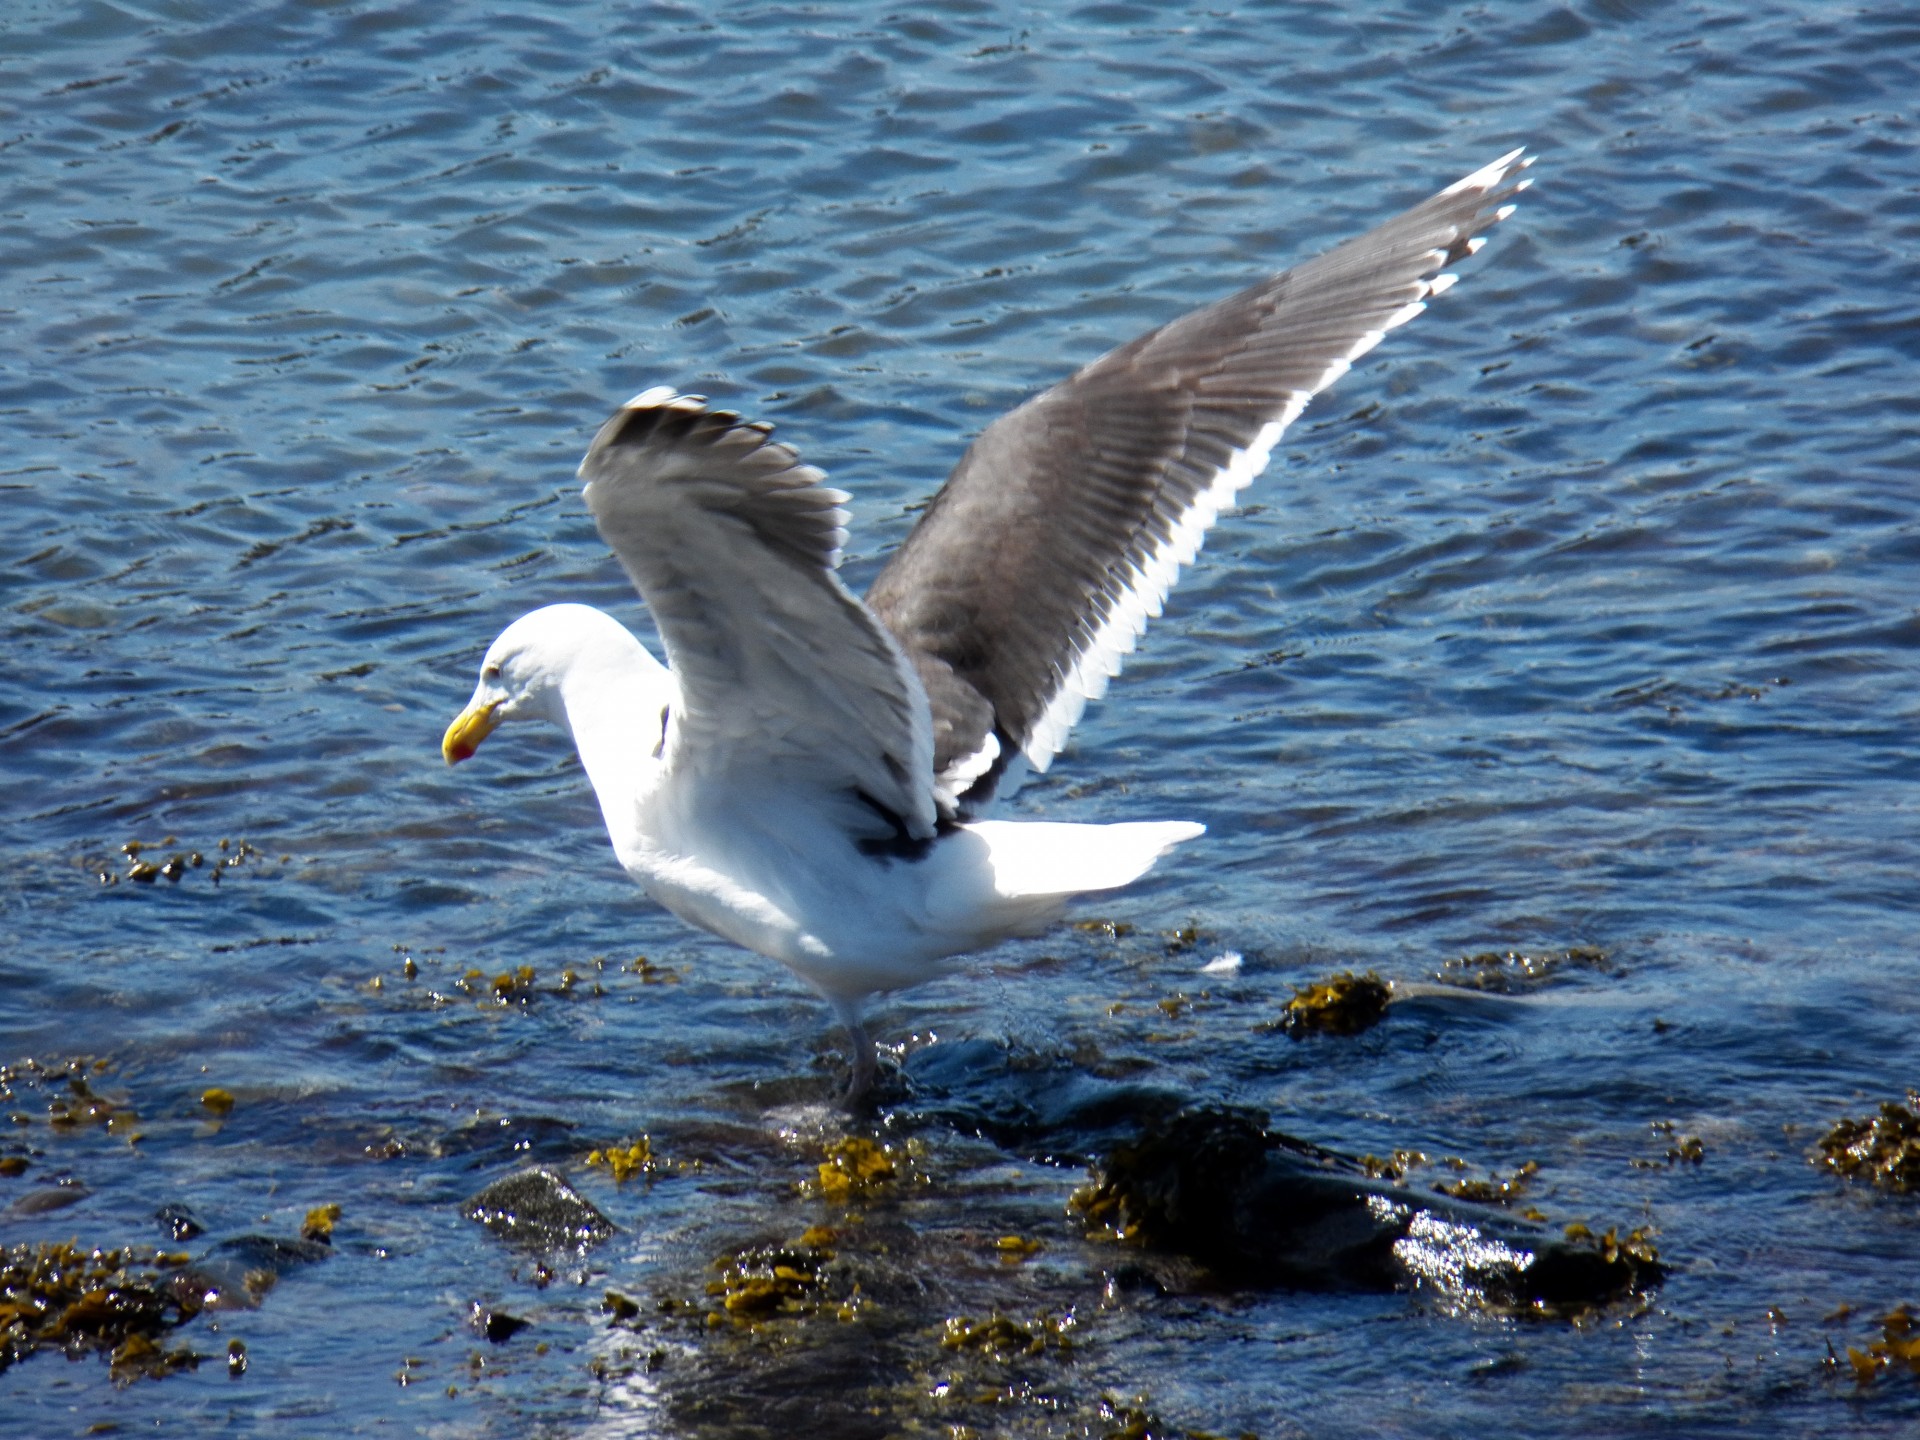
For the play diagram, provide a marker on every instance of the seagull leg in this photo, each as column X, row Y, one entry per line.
column 860, row 1053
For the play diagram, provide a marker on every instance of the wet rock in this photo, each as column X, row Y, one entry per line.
column 497, row 1325
column 536, row 1210
column 1259, row 1209
column 1044, row 1107
column 522, row 1136
column 270, row 1252
column 178, row 1222
column 1218, row 1187
column 48, row 1200
column 236, row 1274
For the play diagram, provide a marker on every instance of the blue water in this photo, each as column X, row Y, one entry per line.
column 1581, row 613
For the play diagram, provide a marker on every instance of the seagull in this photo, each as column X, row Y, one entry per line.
column 810, row 774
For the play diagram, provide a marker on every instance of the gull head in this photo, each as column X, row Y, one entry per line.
column 525, row 669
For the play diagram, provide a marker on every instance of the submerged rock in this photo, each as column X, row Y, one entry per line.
column 1256, row 1209
column 236, row 1274
column 536, row 1210
column 179, row 1222
column 277, row 1253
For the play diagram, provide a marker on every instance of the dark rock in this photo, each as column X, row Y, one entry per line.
column 270, row 1252
column 178, row 1222
column 497, row 1325
column 521, row 1136
column 236, row 1274
column 45, row 1202
column 536, row 1210
column 1045, row 1107
column 1259, row 1209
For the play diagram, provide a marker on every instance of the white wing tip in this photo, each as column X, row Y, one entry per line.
column 1442, row 283
column 1491, row 175
column 665, row 397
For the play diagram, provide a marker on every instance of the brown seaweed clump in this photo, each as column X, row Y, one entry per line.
column 770, row 1282
column 1342, row 1004
column 57, row 1296
column 319, row 1223
column 624, row 1162
column 1491, row 1191
column 1513, row 972
column 853, row 1166
column 73, row 1105
column 1001, row 1337
column 1899, row 1340
column 1884, row 1149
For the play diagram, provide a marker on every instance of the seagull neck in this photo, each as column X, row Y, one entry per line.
column 612, row 711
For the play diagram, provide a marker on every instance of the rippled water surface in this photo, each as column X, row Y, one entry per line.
column 1582, row 614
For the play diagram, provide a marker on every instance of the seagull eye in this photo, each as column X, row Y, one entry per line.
column 490, row 672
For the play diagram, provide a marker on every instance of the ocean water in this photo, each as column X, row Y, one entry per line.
column 1581, row 616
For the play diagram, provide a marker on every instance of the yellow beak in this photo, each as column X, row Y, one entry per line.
column 469, row 728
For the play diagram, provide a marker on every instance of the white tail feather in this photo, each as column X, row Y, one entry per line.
column 1033, row 868
column 1051, row 858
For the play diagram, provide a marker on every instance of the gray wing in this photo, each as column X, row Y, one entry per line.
column 1038, row 564
column 733, row 544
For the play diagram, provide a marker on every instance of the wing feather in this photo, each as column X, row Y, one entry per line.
column 1038, row 564
column 733, row 544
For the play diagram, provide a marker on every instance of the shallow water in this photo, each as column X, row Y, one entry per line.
column 1581, row 614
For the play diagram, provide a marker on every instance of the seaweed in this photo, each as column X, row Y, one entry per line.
column 853, row 1166
column 1512, row 972
column 319, row 1224
column 73, row 1105
column 1341, row 1004
column 141, row 870
column 1492, row 1191
column 1000, row 1337
column 763, row 1282
column 54, row 1295
column 624, row 1162
column 1899, row 1341
column 1883, row 1149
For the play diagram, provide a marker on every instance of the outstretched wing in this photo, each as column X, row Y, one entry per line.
column 1039, row 562
column 733, row 544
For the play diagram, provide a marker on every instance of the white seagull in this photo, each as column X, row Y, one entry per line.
column 808, row 775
